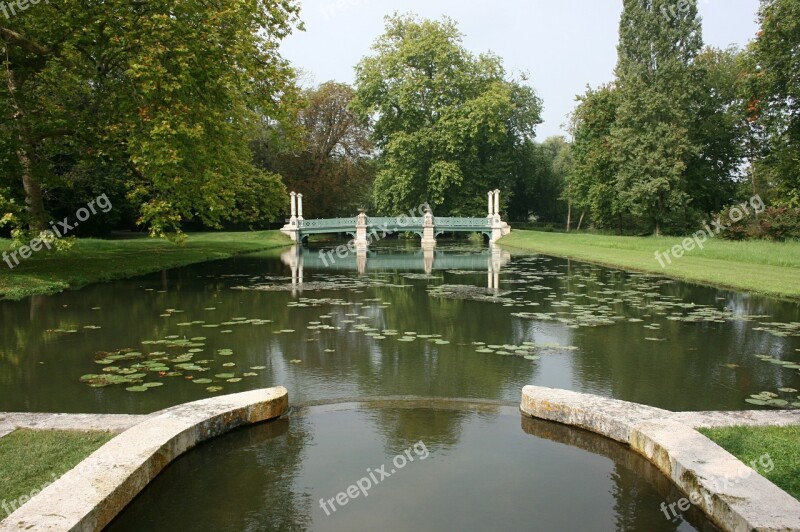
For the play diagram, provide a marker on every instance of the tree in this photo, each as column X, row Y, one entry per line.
column 167, row 93
column 591, row 182
column 651, row 135
column 448, row 124
column 539, row 182
column 774, row 98
column 718, row 127
column 331, row 163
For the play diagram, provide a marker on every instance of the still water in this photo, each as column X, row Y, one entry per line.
column 471, row 467
column 460, row 322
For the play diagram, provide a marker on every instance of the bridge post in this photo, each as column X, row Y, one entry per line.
column 361, row 241
column 428, row 230
column 491, row 205
column 292, row 229
column 300, row 207
column 499, row 227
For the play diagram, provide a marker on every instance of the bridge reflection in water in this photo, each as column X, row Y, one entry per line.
column 490, row 260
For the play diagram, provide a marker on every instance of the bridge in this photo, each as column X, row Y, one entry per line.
column 365, row 229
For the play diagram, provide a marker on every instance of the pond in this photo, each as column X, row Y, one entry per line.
column 409, row 465
column 461, row 322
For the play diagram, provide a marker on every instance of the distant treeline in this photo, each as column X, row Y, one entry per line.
column 186, row 116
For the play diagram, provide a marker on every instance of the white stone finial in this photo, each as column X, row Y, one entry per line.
column 294, row 204
column 491, row 204
column 497, row 202
column 300, row 206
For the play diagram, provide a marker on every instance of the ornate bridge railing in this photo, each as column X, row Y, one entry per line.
column 329, row 223
column 396, row 223
column 462, row 223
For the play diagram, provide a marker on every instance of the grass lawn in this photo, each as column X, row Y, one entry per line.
column 31, row 459
column 94, row 260
column 771, row 268
column 777, row 446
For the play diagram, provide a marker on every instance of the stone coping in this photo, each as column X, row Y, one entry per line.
column 114, row 423
column 89, row 496
column 746, row 418
column 731, row 494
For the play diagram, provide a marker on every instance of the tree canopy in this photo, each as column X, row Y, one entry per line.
column 154, row 102
column 449, row 125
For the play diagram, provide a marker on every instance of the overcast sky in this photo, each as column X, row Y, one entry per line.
column 563, row 44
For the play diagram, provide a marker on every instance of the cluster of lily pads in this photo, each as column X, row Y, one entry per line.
column 327, row 283
column 781, row 330
column 73, row 331
column 231, row 323
column 470, row 292
column 140, row 371
column 775, row 400
column 527, row 350
column 766, row 397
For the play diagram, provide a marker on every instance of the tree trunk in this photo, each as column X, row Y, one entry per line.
column 753, row 167
column 569, row 208
column 34, row 198
column 580, row 222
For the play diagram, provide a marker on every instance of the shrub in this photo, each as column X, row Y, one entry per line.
column 774, row 223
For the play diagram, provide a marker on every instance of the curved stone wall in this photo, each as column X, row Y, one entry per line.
column 88, row 497
column 731, row 494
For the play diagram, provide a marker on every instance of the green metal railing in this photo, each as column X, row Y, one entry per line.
column 395, row 224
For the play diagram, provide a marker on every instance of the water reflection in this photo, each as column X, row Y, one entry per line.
column 488, row 468
column 426, row 259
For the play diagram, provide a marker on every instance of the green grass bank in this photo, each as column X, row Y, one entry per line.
column 774, row 451
column 94, row 260
column 31, row 460
column 768, row 268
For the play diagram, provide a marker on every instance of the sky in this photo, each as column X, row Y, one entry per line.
column 562, row 44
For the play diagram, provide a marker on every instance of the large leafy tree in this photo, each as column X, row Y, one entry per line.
column 652, row 139
column 591, row 181
column 331, row 161
column 718, row 127
column 449, row 125
column 774, row 105
column 164, row 95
